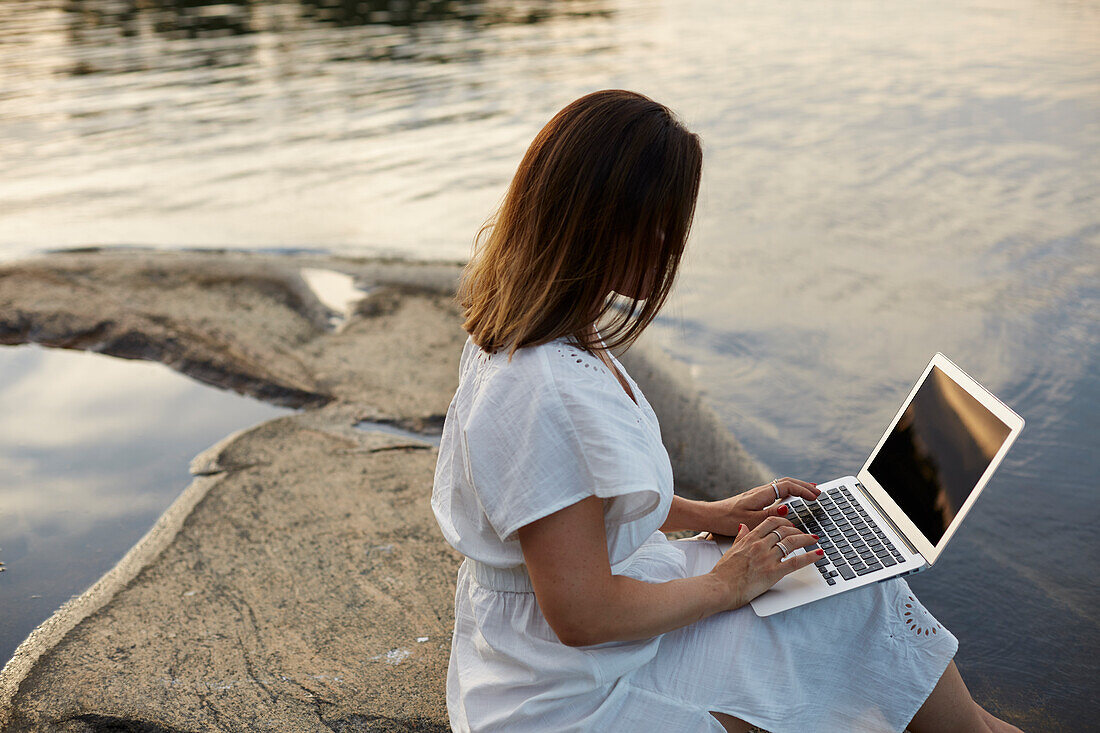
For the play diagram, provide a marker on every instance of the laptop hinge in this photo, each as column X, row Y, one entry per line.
column 884, row 515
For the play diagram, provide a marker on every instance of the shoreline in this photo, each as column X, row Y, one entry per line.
column 225, row 608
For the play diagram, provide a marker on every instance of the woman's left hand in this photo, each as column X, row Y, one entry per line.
column 753, row 506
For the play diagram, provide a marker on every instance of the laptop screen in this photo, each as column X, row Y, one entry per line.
column 937, row 452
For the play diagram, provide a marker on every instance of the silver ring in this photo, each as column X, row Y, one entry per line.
column 783, row 548
column 776, row 533
column 775, row 485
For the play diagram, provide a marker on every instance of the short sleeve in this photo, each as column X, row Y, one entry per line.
column 535, row 443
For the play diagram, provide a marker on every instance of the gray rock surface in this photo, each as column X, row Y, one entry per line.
column 300, row 582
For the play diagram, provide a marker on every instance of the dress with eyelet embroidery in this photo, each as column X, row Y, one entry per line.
column 528, row 436
column 918, row 619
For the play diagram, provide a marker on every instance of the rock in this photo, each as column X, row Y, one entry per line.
column 295, row 591
column 246, row 322
column 300, row 582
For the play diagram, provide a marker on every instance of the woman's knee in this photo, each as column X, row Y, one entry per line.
column 949, row 708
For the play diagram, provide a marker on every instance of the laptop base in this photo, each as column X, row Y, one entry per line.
column 808, row 584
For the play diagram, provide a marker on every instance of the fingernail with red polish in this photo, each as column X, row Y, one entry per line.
column 815, row 536
column 819, row 552
column 812, row 484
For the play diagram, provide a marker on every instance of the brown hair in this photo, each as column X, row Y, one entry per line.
column 583, row 216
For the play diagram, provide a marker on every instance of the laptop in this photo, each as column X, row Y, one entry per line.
column 897, row 514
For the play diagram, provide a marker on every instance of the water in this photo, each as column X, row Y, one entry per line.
column 93, row 449
column 427, row 438
column 881, row 181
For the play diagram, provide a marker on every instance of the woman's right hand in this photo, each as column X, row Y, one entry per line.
column 755, row 561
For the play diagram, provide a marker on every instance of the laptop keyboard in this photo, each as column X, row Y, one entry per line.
column 853, row 545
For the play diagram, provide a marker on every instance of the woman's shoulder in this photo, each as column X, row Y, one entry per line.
column 526, row 361
column 557, row 366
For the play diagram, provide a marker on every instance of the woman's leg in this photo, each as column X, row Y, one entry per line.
column 732, row 724
column 950, row 708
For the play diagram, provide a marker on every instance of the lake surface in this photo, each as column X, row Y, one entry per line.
column 93, row 449
column 881, row 181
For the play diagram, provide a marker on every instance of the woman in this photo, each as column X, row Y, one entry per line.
column 573, row 611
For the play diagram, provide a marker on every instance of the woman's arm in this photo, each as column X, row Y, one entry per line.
column 725, row 516
column 566, row 556
column 687, row 514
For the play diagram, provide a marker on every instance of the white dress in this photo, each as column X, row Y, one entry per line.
column 527, row 437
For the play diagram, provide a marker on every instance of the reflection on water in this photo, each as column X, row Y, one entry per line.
column 881, row 181
column 265, row 124
column 92, row 450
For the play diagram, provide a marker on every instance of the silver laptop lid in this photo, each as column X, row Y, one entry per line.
column 937, row 455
